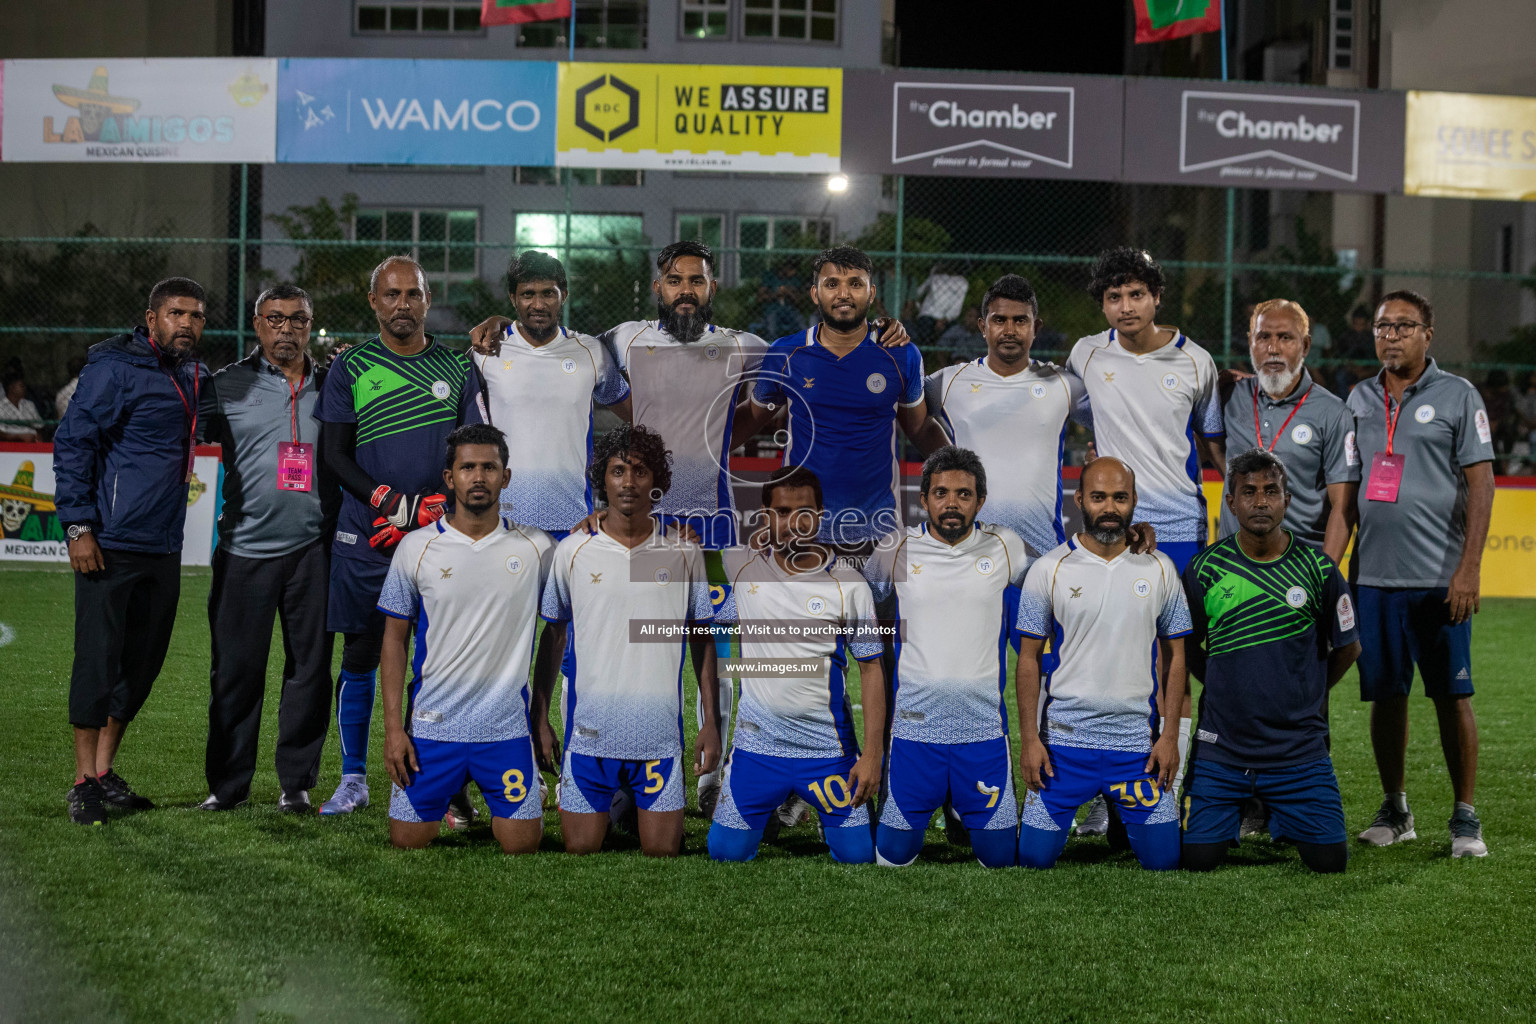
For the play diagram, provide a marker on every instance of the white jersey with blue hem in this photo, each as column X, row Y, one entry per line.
column 541, row 397
column 952, row 656
column 1017, row 425
column 807, row 716
column 686, row 392
column 475, row 604
column 1103, row 619
column 1147, row 408
column 625, row 697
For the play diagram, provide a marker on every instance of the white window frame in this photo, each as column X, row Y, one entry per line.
column 448, row 277
column 706, row 7
column 451, row 5
column 805, row 220
column 775, row 11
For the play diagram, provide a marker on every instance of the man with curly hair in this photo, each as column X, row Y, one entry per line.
column 632, row 590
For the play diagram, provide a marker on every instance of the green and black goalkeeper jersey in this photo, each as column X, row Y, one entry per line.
column 1267, row 628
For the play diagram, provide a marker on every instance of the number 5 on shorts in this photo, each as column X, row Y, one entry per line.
column 654, row 780
column 513, row 781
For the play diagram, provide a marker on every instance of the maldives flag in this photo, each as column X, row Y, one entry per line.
column 517, row 12
column 1157, row 20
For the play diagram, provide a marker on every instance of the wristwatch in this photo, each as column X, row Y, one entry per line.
column 78, row 530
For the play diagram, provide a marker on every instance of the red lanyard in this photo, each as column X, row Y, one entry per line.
column 191, row 408
column 1260, row 434
column 1391, row 417
column 293, row 406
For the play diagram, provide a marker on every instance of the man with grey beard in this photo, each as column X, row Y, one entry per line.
column 1282, row 410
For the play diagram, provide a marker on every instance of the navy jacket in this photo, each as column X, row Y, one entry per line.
column 120, row 456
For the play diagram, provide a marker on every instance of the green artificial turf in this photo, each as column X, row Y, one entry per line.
column 176, row 914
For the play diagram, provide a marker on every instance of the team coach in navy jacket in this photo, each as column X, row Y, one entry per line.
column 121, row 461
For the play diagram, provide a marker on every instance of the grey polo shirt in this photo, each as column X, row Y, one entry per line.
column 249, row 410
column 1416, row 540
column 1316, row 447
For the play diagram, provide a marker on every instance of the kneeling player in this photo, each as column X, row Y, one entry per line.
column 949, row 735
column 624, row 701
column 794, row 735
column 1106, row 608
column 1274, row 630
column 471, row 582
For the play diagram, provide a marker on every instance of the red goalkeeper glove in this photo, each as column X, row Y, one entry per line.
column 401, row 514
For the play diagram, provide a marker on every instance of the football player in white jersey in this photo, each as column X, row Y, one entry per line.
column 633, row 591
column 949, row 737
column 795, row 732
column 1155, row 407
column 1106, row 611
column 470, row 586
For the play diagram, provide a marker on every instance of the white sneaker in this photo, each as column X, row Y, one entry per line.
column 709, row 794
column 792, row 812
column 1391, row 826
column 544, row 792
column 1467, row 835
column 461, row 813
column 1097, row 821
column 351, row 795
column 622, row 813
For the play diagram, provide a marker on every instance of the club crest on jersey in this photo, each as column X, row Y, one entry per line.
column 1170, row 381
column 875, row 382
column 568, row 365
column 711, row 351
column 1424, row 413
column 1301, row 433
column 1142, row 588
column 663, row 576
column 985, row 565
column 1037, row 389
column 440, row 389
column 816, row 605
column 1480, row 420
column 1346, row 610
column 1296, row 597
column 514, row 564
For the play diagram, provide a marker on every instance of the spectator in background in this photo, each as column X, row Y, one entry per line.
column 963, row 337
column 1503, row 417
column 18, row 413
column 65, row 393
column 1358, row 346
column 780, row 317
column 1525, row 408
column 942, row 295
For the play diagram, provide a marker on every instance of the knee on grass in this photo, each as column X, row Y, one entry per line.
column 733, row 844
column 1040, row 849
column 1324, row 858
column 896, row 847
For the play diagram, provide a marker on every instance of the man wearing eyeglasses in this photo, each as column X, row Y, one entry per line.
column 1427, row 455
column 280, row 506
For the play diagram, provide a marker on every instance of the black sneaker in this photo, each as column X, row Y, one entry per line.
column 295, row 802
column 85, row 806
column 116, row 791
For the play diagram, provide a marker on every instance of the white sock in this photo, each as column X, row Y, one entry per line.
column 1178, row 779
column 1399, row 801
column 1466, row 807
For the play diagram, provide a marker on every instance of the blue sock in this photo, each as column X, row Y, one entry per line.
column 722, row 642
column 898, row 847
column 1039, row 848
column 996, row 848
column 354, row 713
column 737, row 844
column 854, row 844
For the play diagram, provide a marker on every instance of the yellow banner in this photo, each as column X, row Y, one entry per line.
column 1509, row 556
column 1476, row 147
column 700, row 117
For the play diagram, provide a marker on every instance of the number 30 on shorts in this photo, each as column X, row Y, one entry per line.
column 832, row 792
column 1141, row 793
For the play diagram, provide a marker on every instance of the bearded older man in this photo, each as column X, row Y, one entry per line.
column 1282, row 410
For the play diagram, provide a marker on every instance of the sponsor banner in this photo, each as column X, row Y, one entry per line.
column 978, row 125
column 166, row 110
column 29, row 524
column 700, row 117
column 1478, row 147
column 1254, row 136
column 477, row 112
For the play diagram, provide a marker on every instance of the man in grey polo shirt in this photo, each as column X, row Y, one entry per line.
column 1282, row 410
column 1424, row 505
column 272, row 560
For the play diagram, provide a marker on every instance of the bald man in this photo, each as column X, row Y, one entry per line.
column 1104, row 607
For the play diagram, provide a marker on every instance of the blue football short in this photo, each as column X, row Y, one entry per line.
column 352, row 604
column 1303, row 801
column 755, row 785
column 1401, row 628
column 503, row 769
column 1180, row 552
column 977, row 777
column 1083, row 773
column 587, row 783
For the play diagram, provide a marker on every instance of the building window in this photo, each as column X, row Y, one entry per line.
column 801, row 20
column 425, row 235
column 757, row 237
column 600, row 25
column 418, row 17
column 706, row 19
column 708, row 228
column 578, row 176
column 592, row 234
column 1341, row 35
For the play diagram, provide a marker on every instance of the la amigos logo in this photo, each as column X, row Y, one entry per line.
column 100, row 116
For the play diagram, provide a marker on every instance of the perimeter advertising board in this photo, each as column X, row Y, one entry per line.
column 1476, row 147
